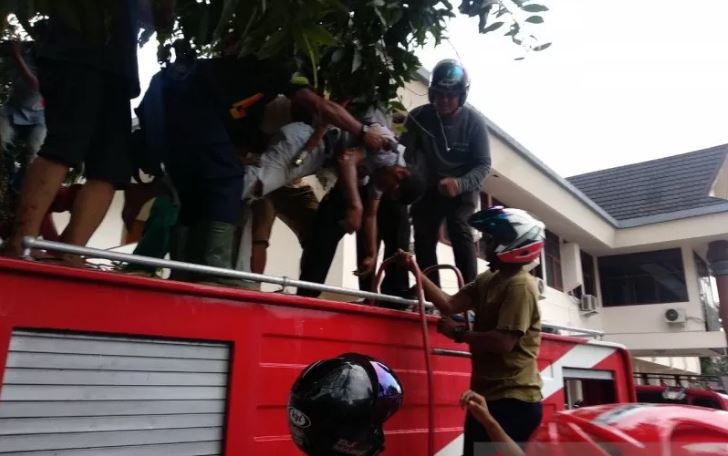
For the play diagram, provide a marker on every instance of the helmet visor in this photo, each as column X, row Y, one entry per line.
column 389, row 396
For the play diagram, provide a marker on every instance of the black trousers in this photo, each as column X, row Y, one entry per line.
column 393, row 230
column 427, row 216
column 319, row 251
column 517, row 418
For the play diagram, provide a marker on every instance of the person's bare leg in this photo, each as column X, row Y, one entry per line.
column 89, row 210
column 40, row 186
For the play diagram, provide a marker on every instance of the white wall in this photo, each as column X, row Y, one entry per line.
column 643, row 327
column 561, row 309
column 664, row 364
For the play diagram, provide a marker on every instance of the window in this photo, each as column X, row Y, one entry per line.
column 553, row 261
column 643, row 278
column 586, row 387
column 705, row 287
column 587, row 271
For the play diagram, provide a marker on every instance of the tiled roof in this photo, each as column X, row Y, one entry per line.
column 667, row 185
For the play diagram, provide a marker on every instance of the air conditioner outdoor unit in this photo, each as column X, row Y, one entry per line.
column 589, row 304
column 675, row 315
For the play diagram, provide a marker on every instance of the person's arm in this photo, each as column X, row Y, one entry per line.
column 480, row 165
column 369, row 231
column 346, row 164
column 334, row 114
column 316, row 137
column 495, row 341
column 478, row 408
column 25, row 72
column 445, row 303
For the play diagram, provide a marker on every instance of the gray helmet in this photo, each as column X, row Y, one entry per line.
column 449, row 76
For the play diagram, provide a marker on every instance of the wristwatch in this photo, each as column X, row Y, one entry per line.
column 363, row 131
column 458, row 334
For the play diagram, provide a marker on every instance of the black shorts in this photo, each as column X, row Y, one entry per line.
column 517, row 418
column 89, row 120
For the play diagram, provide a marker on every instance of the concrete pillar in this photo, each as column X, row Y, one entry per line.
column 718, row 258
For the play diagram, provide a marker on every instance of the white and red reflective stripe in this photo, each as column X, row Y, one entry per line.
column 581, row 355
column 524, row 254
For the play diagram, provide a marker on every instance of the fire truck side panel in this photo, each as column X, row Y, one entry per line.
column 270, row 337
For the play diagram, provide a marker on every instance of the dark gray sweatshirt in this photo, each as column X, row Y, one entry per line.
column 451, row 147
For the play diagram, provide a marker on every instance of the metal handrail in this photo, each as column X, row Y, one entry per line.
column 582, row 331
column 33, row 243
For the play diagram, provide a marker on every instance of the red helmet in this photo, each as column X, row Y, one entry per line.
column 518, row 236
column 632, row 430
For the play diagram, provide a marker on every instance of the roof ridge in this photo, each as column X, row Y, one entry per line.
column 714, row 149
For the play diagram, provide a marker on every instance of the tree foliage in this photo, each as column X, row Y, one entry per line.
column 714, row 366
column 361, row 50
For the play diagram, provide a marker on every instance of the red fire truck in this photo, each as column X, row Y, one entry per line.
column 93, row 360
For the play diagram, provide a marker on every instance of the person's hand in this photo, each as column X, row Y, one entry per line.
column 449, row 186
column 352, row 219
column 476, row 405
column 446, row 326
column 374, row 140
column 366, row 266
column 403, row 258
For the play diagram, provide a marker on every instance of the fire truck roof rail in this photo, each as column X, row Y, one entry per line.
column 34, row 243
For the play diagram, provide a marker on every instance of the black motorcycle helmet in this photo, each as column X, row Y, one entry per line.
column 337, row 406
column 449, row 76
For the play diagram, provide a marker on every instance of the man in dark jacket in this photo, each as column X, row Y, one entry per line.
column 448, row 142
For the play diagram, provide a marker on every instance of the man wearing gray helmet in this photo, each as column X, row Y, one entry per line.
column 447, row 142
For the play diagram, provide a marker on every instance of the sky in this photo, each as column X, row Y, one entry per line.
column 624, row 81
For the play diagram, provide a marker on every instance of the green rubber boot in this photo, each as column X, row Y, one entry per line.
column 217, row 250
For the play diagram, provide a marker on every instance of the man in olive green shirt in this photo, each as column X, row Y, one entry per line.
column 505, row 339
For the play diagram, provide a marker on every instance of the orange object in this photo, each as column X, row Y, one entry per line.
column 238, row 109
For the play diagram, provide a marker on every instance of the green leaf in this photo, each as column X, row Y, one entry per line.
column 491, row 27
column 319, row 35
column 542, row 47
column 396, row 105
column 272, row 45
column 356, row 61
column 535, row 19
column 534, row 8
column 228, row 9
column 515, row 28
column 337, row 55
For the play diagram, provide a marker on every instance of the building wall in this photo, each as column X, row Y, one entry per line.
column 646, row 319
column 664, row 364
column 558, row 308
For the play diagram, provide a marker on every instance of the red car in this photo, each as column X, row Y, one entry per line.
column 659, row 394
